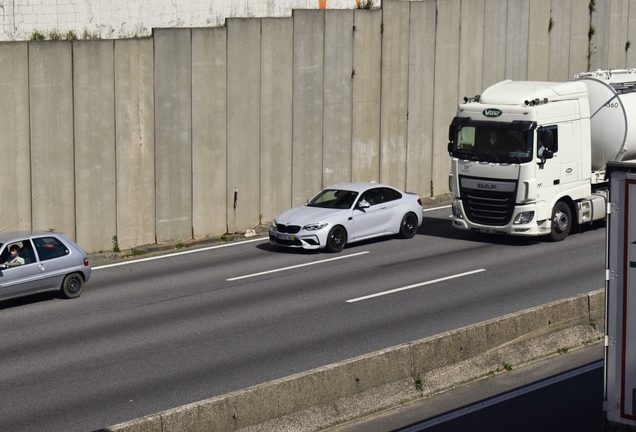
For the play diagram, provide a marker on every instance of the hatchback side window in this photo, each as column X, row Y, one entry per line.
column 49, row 248
column 17, row 252
column 390, row 195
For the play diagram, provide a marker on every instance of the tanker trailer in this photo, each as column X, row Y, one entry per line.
column 528, row 157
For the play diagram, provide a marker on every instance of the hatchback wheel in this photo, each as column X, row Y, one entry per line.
column 336, row 239
column 72, row 286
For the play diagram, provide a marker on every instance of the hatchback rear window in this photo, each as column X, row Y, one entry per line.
column 49, row 248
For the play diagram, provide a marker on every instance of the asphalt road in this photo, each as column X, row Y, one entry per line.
column 152, row 335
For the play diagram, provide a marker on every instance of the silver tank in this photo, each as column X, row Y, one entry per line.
column 612, row 99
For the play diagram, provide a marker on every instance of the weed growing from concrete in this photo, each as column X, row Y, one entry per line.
column 115, row 244
column 180, row 246
column 507, row 366
column 419, row 385
column 562, row 350
column 134, row 252
column 227, row 238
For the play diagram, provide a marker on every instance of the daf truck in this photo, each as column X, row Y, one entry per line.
column 528, row 157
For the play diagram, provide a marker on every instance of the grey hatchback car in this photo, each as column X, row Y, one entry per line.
column 36, row 261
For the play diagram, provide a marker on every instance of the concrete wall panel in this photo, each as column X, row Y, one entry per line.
column 538, row 40
column 277, row 49
column 209, row 132
column 578, row 37
column 599, row 49
column 560, row 41
column 337, row 99
column 173, row 133
column 446, row 90
column 517, row 39
column 309, row 29
column 243, row 132
column 95, row 172
column 631, row 34
column 471, row 47
column 420, row 99
column 495, row 25
column 619, row 17
column 51, row 117
column 15, row 164
column 135, row 142
column 395, row 82
column 367, row 65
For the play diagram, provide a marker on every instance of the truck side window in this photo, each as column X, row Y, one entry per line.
column 547, row 139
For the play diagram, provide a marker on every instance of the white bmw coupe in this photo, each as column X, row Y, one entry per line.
column 346, row 213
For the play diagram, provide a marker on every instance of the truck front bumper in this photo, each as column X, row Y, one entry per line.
column 531, row 229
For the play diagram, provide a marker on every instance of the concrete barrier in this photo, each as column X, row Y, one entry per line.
column 359, row 386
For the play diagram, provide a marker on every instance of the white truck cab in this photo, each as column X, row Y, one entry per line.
column 525, row 157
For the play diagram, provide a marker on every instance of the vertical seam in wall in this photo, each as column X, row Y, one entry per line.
column 379, row 179
column 190, row 31
column 73, row 137
column 227, row 150
column 353, row 54
column 408, row 92
column 154, row 124
column 115, row 138
column 28, row 53
column 260, row 119
column 432, row 116
column 322, row 123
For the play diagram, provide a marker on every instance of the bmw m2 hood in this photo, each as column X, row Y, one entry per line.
column 305, row 215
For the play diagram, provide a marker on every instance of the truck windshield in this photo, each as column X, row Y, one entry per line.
column 494, row 143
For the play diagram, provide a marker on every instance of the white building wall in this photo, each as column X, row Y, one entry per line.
column 114, row 19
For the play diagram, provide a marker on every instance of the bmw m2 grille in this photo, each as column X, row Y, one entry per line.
column 288, row 229
column 488, row 202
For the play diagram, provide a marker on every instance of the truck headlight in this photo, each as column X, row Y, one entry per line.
column 524, row 218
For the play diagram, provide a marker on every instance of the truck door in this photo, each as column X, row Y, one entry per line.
column 548, row 163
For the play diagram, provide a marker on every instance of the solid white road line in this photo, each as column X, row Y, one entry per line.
column 414, row 286
column 296, row 266
column 180, row 253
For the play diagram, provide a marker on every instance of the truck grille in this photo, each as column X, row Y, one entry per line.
column 487, row 207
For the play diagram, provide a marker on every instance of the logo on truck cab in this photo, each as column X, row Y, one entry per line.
column 492, row 112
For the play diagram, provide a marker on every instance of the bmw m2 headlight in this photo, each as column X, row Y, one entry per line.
column 524, row 218
column 315, row 227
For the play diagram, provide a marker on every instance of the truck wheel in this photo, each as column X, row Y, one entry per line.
column 336, row 239
column 561, row 221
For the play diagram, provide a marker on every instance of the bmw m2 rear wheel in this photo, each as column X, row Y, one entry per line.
column 336, row 239
column 408, row 226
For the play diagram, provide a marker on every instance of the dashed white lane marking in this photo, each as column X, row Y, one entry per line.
column 295, row 266
column 383, row 293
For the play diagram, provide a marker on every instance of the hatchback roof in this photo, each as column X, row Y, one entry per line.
column 17, row 235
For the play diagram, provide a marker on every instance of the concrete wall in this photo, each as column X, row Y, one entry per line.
column 151, row 140
column 352, row 388
column 19, row 19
